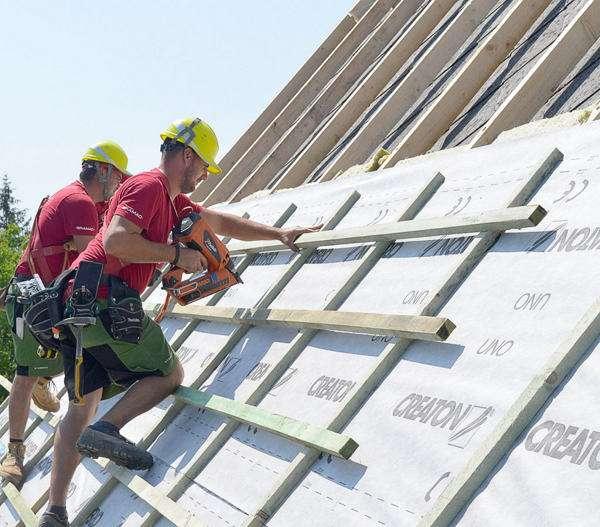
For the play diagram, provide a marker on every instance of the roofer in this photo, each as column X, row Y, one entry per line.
column 138, row 222
column 64, row 224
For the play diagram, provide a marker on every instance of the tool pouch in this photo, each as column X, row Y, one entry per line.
column 123, row 316
column 18, row 308
column 19, row 291
column 85, row 289
column 46, row 309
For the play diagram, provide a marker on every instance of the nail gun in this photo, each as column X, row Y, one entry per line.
column 194, row 232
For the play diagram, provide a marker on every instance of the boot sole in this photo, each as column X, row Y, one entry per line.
column 97, row 444
column 10, row 479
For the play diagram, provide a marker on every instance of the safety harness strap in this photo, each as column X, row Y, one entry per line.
column 36, row 253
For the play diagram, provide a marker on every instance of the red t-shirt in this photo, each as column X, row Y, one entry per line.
column 101, row 208
column 69, row 212
column 144, row 200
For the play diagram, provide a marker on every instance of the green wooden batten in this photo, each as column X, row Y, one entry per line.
column 309, row 435
column 27, row 516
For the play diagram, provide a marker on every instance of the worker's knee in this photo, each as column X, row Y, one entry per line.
column 176, row 376
column 83, row 413
column 23, row 382
column 70, row 428
column 21, row 390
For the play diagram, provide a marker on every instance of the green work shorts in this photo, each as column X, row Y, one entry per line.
column 115, row 365
column 29, row 363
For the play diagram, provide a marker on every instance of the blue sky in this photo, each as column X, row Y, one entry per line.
column 77, row 72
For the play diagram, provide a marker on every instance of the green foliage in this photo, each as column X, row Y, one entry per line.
column 10, row 214
column 13, row 239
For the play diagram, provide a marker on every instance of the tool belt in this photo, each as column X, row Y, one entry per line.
column 46, row 309
column 123, row 316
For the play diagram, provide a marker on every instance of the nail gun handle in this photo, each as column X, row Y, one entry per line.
column 78, row 399
column 172, row 276
column 77, row 329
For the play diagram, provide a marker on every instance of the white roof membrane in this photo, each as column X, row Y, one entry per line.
column 420, row 426
column 513, row 301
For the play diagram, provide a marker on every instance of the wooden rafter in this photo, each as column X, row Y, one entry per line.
column 490, row 53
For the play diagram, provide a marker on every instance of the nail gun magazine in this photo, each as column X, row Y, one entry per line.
column 195, row 233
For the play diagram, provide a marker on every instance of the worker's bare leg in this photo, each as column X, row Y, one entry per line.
column 18, row 406
column 66, row 458
column 144, row 395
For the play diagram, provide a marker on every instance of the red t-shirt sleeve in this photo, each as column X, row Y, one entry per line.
column 184, row 205
column 79, row 214
column 137, row 200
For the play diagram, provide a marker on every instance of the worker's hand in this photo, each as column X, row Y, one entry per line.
column 191, row 260
column 70, row 246
column 289, row 236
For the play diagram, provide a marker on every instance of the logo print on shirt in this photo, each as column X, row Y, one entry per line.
column 132, row 211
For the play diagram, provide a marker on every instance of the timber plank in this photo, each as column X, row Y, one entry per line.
column 496, row 220
column 316, row 437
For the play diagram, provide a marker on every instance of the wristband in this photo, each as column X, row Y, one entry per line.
column 177, row 254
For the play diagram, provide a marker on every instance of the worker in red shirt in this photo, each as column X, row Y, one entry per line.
column 133, row 240
column 64, row 224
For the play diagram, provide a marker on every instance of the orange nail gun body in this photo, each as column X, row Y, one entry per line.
column 195, row 233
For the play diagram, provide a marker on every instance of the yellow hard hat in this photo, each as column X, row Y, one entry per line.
column 108, row 152
column 199, row 136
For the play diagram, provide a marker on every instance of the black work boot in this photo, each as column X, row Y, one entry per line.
column 51, row 519
column 102, row 439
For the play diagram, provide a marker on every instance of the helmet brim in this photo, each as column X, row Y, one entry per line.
column 215, row 169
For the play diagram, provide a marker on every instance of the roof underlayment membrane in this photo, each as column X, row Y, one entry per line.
column 496, row 425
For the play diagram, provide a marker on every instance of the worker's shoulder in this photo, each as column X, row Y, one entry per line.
column 182, row 199
column 151, row 180
column 73, row 193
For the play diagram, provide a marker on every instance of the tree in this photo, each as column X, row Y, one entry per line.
column 10, row 214
column 14, row 231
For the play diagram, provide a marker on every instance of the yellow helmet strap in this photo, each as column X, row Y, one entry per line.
column 186, row 134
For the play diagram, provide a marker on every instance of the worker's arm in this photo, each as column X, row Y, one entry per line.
column 233, row 226
column 124, row 241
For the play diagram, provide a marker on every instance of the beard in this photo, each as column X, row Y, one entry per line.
column 108, row 190
column 189, row 181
